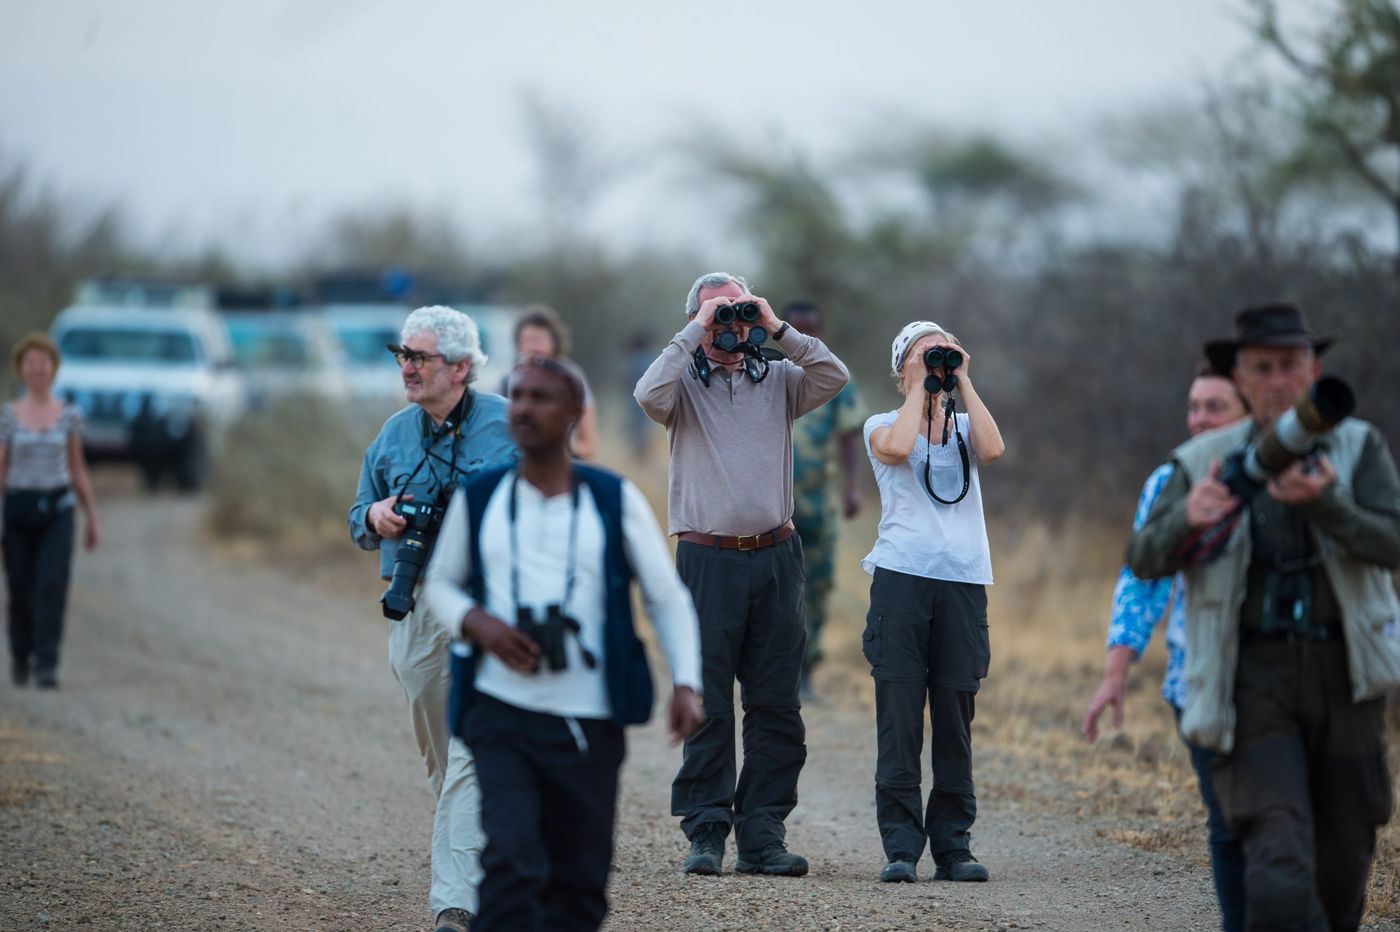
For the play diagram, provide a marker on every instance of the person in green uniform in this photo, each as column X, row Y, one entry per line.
column 832, row 431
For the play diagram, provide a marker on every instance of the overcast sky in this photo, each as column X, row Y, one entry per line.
column 246, row 122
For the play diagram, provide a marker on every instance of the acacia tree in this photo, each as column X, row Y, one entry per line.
column 1349, row 91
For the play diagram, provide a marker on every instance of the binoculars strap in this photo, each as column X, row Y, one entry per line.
column 949, row 420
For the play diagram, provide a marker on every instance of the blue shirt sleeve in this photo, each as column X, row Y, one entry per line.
column 371, row 489
column 1138, row 604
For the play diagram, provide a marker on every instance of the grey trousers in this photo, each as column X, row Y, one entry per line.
column 751, row 629
column 927, row 644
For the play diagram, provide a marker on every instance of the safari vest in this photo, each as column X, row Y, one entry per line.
column 1215, row 593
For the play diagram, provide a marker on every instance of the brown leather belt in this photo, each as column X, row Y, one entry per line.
column 742, row 542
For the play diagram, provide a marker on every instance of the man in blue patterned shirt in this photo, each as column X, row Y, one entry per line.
column 1138, row 605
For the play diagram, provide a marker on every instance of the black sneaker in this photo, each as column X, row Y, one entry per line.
column 775, row 860
column 19, row 674
column 706, row 850
column 46, row 679
column 899, row 872
column 959, row 866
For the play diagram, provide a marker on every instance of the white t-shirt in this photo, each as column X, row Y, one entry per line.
column 918, row 535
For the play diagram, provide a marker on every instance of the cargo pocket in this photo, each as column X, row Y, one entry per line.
column 872, row 642
column 977, row 640
column 981, row 650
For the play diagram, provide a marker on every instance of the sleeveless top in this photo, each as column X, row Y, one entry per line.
column 38, row 458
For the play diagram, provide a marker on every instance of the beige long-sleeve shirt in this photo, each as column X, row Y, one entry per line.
column 731, row 441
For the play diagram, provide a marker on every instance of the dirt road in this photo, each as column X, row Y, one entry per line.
column 229, row 751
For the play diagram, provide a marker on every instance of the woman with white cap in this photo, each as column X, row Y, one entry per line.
column 926, row 633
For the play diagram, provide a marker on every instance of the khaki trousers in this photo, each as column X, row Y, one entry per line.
column 418, row 653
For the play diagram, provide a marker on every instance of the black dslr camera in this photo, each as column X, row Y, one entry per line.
column 549, row 635
column 424, row 520
column 947, row 359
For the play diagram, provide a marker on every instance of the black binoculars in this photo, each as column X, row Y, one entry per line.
column 947, row 359
column 728, row 341
column 745, row 312
column 549, row 635
column 940, row 357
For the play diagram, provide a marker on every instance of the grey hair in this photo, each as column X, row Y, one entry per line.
column 710, row 280
column 457, row 336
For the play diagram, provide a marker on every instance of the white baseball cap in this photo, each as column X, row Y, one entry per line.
column 907, row 338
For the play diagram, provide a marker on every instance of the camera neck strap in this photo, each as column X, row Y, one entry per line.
column 431, row 433
column 949, row 421
column 569, row 567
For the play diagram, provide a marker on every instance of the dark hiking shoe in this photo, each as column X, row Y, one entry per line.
column 19, row 674
column 959, row 866
column 706, row 851
column 899, row 872
column 46, row 679
column 454, row 920
column 775, row 860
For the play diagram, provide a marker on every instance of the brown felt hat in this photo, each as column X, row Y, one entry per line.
column 1267, row 325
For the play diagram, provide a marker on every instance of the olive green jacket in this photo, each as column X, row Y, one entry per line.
column 1359, row 542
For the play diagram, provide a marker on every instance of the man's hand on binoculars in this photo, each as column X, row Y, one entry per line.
column 766, row 318
column 1303, row 482
column 1209, row 500
column 513, row 647
column 705, row 317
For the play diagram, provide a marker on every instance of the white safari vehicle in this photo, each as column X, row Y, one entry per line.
column 156, row 385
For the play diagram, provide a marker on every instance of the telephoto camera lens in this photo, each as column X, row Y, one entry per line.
column 423, row 519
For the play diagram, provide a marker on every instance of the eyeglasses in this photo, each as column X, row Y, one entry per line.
column 412, row 357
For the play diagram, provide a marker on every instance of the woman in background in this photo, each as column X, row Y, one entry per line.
column 43, row 473
column 540, row 332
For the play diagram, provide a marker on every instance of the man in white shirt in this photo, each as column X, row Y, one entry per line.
column 533, row 569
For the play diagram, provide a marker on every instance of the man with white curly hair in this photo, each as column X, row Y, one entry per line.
column 446, row 434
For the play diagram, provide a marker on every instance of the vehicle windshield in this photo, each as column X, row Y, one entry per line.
column 256, row 347
column 365, row 344
column 124, row 344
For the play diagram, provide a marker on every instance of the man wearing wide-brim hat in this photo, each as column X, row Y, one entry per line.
column 1293, row 632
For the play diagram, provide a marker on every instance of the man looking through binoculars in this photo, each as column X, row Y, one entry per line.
column 728, row 412
column 1292, row 637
